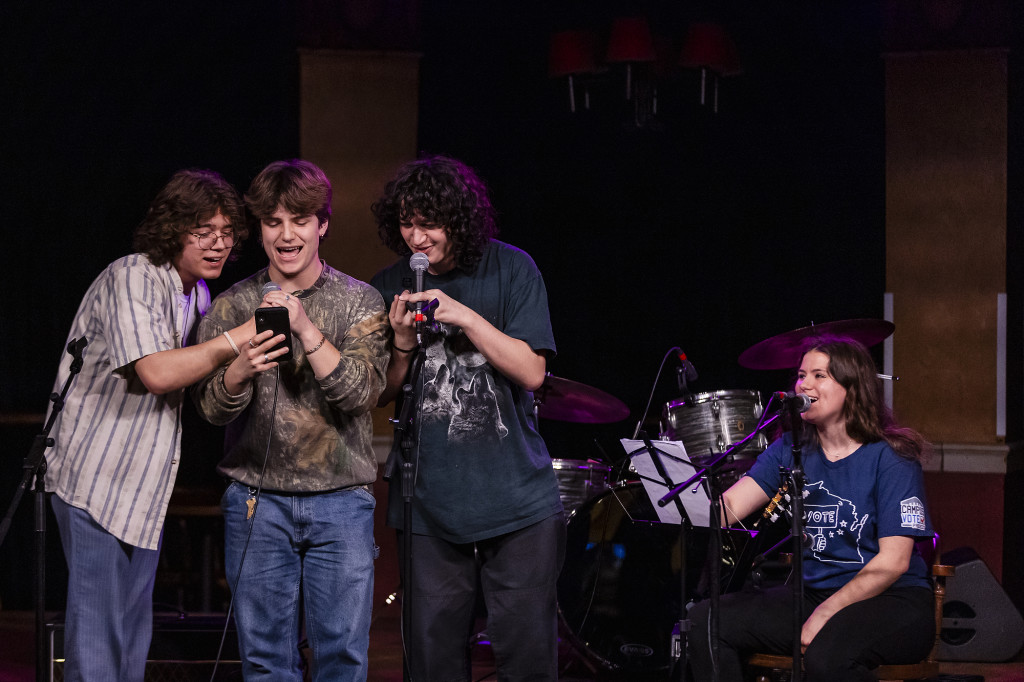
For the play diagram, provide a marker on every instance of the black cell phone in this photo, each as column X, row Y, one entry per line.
column 277, row 319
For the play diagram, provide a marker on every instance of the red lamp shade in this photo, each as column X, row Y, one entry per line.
column 630, row 41
column 572, row 52
column 708, row 46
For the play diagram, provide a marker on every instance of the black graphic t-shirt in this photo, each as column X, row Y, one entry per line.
column 483, row 468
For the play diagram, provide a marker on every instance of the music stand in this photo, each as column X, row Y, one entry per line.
column 677, row 465
column 659, row 467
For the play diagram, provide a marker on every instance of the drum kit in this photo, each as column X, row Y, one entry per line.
column 620, row 589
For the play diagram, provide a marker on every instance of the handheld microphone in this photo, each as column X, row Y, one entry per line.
column 267, row 288
column 419, row 264
column 801, row 400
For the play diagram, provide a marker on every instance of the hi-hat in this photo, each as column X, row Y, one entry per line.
column 783, row 350
column 570, row 401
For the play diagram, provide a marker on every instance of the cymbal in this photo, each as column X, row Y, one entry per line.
column 570, row 401
column 783, row 350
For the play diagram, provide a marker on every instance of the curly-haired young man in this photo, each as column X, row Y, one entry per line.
column 118, row 439
column 486, row 514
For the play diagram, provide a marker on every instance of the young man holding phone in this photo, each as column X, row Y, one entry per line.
column 299, row 507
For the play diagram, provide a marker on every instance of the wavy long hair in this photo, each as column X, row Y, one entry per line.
column 864, row 411
column 444, row 192
column 189, row 198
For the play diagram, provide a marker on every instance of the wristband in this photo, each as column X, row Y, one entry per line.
column 232, row 342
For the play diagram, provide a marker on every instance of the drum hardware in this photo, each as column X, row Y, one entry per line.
column 570, row 401
column 619, row 593
column 783, row 351
column 578, row 481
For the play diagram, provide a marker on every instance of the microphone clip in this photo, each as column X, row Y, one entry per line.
column 425, row 320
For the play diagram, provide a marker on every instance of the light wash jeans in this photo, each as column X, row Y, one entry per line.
column 108, row 621
column 316, row 550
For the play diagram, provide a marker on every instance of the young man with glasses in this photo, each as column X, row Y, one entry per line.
column 118, row 438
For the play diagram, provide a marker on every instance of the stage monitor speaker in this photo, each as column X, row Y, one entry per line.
column 979, row 622
column 183, row 649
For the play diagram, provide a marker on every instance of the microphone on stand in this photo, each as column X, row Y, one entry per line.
column 685, row 373
column 802, row 401
column 419, row 264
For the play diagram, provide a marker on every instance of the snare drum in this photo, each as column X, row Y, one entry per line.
column 709, row 423
column 579, row 480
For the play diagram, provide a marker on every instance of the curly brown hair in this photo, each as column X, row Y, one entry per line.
column 864, row 411
column 191, row 197
column 444, row 192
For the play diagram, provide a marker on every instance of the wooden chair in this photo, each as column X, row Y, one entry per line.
column 927, row 668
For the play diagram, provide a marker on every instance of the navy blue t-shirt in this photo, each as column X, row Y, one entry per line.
column 849, row 504
column 483, row 469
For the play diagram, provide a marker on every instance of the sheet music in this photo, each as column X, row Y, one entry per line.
column 677, row 466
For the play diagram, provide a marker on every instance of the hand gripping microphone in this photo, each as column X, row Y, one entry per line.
column 267, row 288
column 802, row 401
column 419, row 264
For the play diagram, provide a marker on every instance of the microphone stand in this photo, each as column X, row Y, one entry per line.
column 796, row 479
column 684, row 623
column 407, row 431
column 715, row 538
column 35, row 466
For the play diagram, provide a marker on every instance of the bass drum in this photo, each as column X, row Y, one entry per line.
column 619, row 589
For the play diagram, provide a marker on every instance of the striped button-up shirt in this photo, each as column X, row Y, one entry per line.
column 116, row 445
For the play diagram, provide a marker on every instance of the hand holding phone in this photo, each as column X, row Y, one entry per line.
column 276, row 319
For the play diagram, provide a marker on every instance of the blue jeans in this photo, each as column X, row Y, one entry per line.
column 316, row 550
column 108, row 621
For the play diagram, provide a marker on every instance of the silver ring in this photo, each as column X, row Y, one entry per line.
column 287, row 296
column 266, row 360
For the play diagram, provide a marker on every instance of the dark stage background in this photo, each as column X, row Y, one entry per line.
column 711, row 232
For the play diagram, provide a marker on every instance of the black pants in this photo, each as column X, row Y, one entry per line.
column 897, row 626
column 517, row 574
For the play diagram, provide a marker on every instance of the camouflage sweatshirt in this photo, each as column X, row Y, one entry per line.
column 322, row 428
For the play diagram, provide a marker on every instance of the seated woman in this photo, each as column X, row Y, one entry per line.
column 867, row 598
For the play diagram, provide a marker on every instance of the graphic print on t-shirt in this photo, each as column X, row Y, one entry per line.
column 833, row 526
column 459, row 390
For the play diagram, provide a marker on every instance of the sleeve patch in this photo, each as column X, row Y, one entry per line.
column 912, row 513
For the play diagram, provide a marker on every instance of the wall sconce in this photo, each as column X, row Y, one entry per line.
column 572, row 54
column 630, row 42
column 709, row 49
